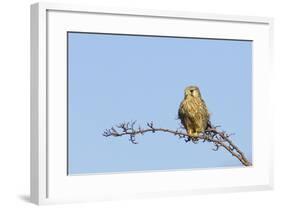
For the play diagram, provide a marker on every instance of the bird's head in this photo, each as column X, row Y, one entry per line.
column 192, row 91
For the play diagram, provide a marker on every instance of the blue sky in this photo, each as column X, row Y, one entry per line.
column 116, row 78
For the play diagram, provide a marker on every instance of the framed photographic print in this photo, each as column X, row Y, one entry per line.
column 133, row 103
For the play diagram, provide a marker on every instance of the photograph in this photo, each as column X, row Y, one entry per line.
column 138, row 103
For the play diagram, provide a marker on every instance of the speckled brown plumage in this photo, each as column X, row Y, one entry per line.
column 193, row 112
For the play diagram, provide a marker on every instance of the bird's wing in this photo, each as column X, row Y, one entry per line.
column 182, row 115
column 180, row 112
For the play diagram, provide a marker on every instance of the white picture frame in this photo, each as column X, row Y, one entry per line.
column 49, row 180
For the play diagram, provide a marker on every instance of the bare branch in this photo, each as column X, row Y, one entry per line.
column 211, row 134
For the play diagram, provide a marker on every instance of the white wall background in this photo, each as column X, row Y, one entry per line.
column 14, row 103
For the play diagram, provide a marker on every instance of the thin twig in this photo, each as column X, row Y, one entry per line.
column 211, row 134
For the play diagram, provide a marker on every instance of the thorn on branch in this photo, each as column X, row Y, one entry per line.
column 216, row 147
column 132, row 139
column 187, row 140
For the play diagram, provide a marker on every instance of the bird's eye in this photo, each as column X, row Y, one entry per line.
column 191, row 91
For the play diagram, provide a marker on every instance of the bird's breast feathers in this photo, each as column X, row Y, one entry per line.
column 193, row 106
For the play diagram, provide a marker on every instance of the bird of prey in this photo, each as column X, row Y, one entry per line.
column 193, row 112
